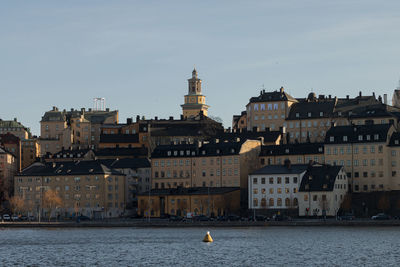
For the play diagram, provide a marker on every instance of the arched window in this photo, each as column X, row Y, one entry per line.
column 271, row 202
column 287, row 202
column 295, row 202
column 263, row 202
column 279, row 202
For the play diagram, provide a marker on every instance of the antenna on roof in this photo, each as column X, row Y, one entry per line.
column 99, row 103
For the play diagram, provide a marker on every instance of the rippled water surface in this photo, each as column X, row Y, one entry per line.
column 289, row 246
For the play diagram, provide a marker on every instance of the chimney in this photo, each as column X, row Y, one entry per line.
column 287, row 163
column 155, row 118
column 281, row 89
column 380, row 99
column 90, row 110
column 128, row 121
column 347, row 97
column 360, row 94
column 182, row 117
column 329, row 96
column 108, row 109
column 137, row 118
column 171, row 118
column 72, row 109
column 255, row 129
column 15, row 119
column 385, row 99
column 83, row 110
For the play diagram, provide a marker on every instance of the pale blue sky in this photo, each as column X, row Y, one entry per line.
column 139, row 54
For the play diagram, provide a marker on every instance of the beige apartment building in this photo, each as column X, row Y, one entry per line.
column 73, row 129
column 15, row 128
column 214, row 164
column 364, row 153
column 85, row 187
column 30, row 151
column 269, row 110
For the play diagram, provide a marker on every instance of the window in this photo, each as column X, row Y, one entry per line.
column 254, row 180
column 279, row 190
column 286, row 180
column 271, row 190
column 262, row 180
column 271, row 180
column 295, row 180
column 287, row 202
column 279, row 180
column 279, row 202
column 271, row 202
column 255, row 191
column 255, row 202
column 305, row 197
column 315, row 197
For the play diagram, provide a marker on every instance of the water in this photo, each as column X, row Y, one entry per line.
column 267, row 246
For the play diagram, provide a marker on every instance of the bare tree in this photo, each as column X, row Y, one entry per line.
column 51, row 200
column 17, row 204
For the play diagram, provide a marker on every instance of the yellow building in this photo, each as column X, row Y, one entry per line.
column 209, row 201
column 85, row 187
column 30, row 151
column 8, row 168
column 269, row 110
column 14, row 127
column 195, row 102
column 364, row 153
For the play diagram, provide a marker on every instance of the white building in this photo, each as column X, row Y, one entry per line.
column 276, row 186
column 322, row 190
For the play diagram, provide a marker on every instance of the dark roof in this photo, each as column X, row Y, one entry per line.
column 346, row 104
column 194, row 150
column 204, row 127
column 191, row 191
column 88, row 167
column 126, row 163
column 319, row 178
column 280, row 95
column 11, row 124
column 395, row 139
column 368, row 133
column 292, row 149
column 373, row 111
column 133, row 151
column 119, row 138
column 53, row 115
column 281, row 169
column 94, row 116
column 311, row 110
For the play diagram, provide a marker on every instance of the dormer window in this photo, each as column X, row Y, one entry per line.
column 297, row 115
column 331, row 138
column 169, row 153
column 193, row 153
column 175, row 153
column 309, row 114
column 187, row 152
column 321, row 114
column 182, row 153
column 320, row 149
column 368, row 137
column 325, row 186
column 218, row 151
column 376, row 136
column 203, row 152
column 287, row 150
column 345, row 138
column 396, row 142
column 360, row 138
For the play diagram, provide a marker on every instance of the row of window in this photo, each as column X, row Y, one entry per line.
column 271, row 190
column 356, row 162
column 365, row 187
column 356, row 149
column 66, row 179
column 271, row 202
column 270, row 106
column 203, row 162
column 307, row 159
column 278, row 180
column 186, row 174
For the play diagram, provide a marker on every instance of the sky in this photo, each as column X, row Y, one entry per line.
column 139, row 54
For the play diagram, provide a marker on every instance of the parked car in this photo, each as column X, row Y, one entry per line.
column 83, row 218
column 31, row 218
column 15, row 217
column 278, row 217
column 6, row 217
column 201, row 218
column 174, row 218
column 222, row 218
column 23, row 218
column 233, row 218
column 347, row 217
column 380, row 216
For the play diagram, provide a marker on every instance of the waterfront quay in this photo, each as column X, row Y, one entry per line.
column 186, row 224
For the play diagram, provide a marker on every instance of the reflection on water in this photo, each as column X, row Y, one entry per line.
column 302, row 246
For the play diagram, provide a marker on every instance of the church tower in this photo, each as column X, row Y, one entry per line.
column 195, row 102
